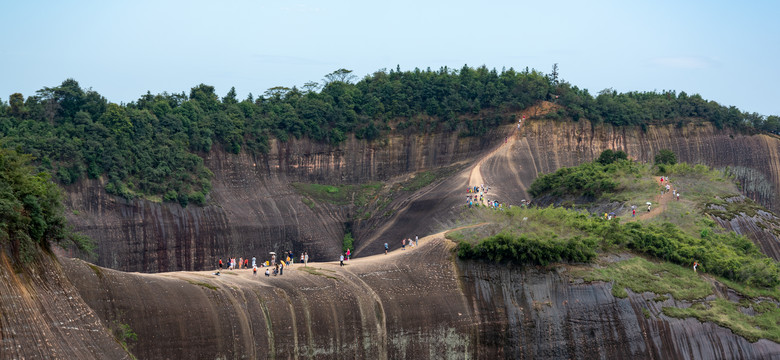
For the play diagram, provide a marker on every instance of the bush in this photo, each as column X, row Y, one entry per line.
column 665, row 156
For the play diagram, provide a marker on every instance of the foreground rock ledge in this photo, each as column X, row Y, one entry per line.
column 419, row 303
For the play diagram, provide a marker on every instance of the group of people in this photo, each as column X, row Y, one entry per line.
column 475, row 195
column 665, row 189
column 278, row 268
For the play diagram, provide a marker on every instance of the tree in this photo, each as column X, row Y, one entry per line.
column 608, row 156
column 666, row 156
column 16, row 101
column 230, row 98
column 554, row 75
column 342, row 75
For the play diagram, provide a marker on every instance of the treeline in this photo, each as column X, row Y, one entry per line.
column 149, row 147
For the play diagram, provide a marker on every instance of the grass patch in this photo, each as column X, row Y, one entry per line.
column 419, row 181
column 641, row 275
column 316, row 271
column 205, row 285
column 96, row 269
column 308, row 202
column 764, row 325
column 646, row 313
column 359, row 195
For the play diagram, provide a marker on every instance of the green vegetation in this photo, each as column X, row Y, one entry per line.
column 95, row 269
column 419, row 181
column 347, row 242
column 641, row 275
column 316, row 271
column 589, row 179
column 359, row 195
column 529, row 250
column 203, row 284
column 666, row 157
column 764, row 324
column 31, row 211
column 150, row 147
column 124, row 333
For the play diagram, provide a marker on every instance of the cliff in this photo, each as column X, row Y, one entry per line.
column 43, row 316
column 414, row 304
column 253, row 209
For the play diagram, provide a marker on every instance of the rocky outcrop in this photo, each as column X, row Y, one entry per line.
column 252, row 209
column 419, row 303
column 42, row 316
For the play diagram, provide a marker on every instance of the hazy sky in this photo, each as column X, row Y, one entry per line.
column 727, row 51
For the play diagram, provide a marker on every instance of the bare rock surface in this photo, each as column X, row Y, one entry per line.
column 418, row 303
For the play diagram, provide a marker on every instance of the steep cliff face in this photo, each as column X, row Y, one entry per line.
column 542, row 146
column 414, row 304
column 254, row 210
column 42, row 316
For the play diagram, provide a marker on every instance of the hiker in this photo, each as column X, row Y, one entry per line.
column 273, row 259
column 633, row 212
column 348, row 253
column 306, row 258
column 276, row 269
column 292, row 258
column 254, row 261
column 254, row 270
column 416, row 239
column 281, row 268
column 648, row 207
column 240, row 262
column 220, row 264
column 302, row 258
column 386, row 248
column 268, row 272
column 678, row 196
column 341, row 260
column 403, row 244
column 246, row 263
column 695, row 264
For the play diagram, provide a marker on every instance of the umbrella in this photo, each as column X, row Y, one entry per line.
column 648, row 203
column 272, row 253
column 613, row 214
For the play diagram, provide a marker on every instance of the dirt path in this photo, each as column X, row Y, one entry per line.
column 662, row 200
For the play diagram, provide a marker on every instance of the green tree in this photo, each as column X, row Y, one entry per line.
column 665, row 156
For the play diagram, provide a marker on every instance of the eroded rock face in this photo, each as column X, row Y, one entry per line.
column 253, row 210
column 419, row 303
column 42, row 316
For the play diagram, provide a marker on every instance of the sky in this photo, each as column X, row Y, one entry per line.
column 726, row 51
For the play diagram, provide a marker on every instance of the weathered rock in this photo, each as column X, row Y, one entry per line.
column 42, row 316
column 413, row 304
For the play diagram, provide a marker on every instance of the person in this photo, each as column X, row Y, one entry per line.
column 306, row 258
column 678, row 196
column 386, row 248
column 348, row 253
column 301, row 258
column 403, row 244
column 254, row 270
column 246, row 263
column 276, row 269
column 416, row 239
column 254, row 261
column 633, row 212
column 273, row 259
column 267, row 272
column 240, row 262
column 292, row 258
column 695, row 264
column 648, row 207
column 220, row 264
column 341, row 260
column 281, row 268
